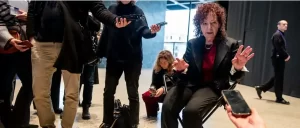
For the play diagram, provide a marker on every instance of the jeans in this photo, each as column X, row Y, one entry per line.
column 87, row 78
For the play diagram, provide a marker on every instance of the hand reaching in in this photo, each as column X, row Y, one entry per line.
column 122, row 22
column 252, row 121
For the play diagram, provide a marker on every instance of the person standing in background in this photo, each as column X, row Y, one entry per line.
column 71, row 50
column 279, row 57
column 15, row 60
column 89, row 70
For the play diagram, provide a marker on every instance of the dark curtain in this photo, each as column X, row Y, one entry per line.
column 254, row 22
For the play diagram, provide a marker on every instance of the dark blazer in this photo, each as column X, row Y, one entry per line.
column 279, row 45
column 226, row 51
column 77, row 47
column 130, row 35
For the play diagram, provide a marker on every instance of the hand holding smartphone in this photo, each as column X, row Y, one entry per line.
column 132, row 17
column 237, row 103
column 27, row 43
column 160, row 24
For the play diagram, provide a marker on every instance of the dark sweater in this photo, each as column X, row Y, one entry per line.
column 125, row 43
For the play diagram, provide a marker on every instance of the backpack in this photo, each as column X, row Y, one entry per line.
column 121, row 115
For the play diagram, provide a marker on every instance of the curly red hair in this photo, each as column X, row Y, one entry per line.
column 201, row 14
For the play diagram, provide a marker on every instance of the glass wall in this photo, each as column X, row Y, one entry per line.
column 180, row 26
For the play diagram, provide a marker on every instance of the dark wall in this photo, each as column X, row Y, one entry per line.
column 254, row 22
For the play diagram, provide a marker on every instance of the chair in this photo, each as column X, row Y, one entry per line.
column 208, row 113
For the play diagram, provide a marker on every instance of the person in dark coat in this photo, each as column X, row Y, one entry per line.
column 123, row 50
column 68, row 51
column 163, row 66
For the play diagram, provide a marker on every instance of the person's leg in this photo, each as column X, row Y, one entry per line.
column 132, row 72
column 202, row 100
column 151, row 104
column 174, row 102
column 114, row 71
column 71, row 81
column 21, row 111
column 88, row 80
column 279, row 78
column 55, row 91
column 8, row 73
column 43, row 55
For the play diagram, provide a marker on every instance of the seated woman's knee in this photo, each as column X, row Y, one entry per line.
column 191, row 111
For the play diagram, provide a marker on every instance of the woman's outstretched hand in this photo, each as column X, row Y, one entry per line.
column 180, row 64
column 242, row 57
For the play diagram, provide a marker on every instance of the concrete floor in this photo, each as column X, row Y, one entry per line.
column 275, row 115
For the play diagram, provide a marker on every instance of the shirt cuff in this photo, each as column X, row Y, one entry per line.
column 183, row 72
column 232, row 71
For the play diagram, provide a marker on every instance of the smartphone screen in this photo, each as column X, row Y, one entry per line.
column 14, row 11
column 236, row 101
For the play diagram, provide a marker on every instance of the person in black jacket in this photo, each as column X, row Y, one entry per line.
column 279, row 57
column 69, row 48
column 210, row 61
column 123, row 50
column 87, row 76
column 163, row 66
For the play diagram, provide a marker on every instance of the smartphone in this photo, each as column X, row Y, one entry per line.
column 27, row 43
column 14, row 11
column 237, row 103
column 152, row 90
column 132, row 17
column 162, row 24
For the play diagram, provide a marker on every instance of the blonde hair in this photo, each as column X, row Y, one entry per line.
column 165, row 54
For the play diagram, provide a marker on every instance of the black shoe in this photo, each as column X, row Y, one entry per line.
column 79, row 104
column 103, row 125
column 58, row 111
column 258, row 91
column 85, row 112
column 282, row 101
column 134, row 126
column 30, row 126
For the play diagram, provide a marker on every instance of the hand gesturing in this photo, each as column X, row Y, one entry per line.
column 180, row 64
column 242, row 57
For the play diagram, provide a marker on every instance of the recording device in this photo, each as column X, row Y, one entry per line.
column 152, row 90
column 237, row 103
column 160, row 24
column 132, row 17
column 14, row 11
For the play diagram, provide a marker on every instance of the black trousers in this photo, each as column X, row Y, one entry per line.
column 87, row 78
column 195, row 100
column 114, row 70
column 55, row 89
column 11, row 65
column 277, row 80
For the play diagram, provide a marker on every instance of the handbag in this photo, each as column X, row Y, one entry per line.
column 121, row 115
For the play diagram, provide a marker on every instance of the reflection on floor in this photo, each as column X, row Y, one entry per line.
column 275, row 115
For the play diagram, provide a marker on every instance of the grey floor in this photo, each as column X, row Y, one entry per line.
column 275, row 115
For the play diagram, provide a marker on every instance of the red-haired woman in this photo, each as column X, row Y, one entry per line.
column 210, row 60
